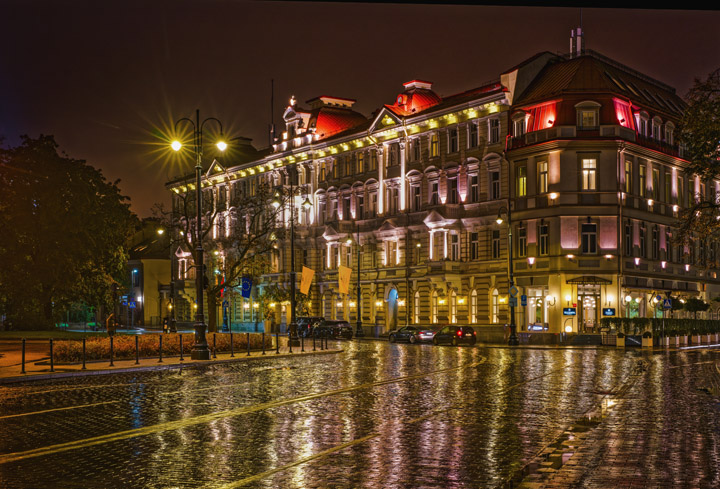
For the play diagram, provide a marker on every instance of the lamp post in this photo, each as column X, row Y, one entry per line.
column 293, row 337
column 513, row 340
column 358, row 328
column 200, row 350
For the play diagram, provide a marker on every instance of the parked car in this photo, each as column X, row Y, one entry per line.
column 410, row 334
column 455, row 335
column 333, row 328
column 306, row 324
column 427, row 334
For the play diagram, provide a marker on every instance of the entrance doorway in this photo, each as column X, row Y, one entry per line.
column 588, row 303
column 392, row 309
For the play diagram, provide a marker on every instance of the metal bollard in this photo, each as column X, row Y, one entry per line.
column 160, row 336
column 22, row 364
column 289, row 343
column 83, row 367
column 214, row 347
column 232, row 350
column 111, row 352
column 277, row 343
column 181, row 348
column 248, row 344
column 302, row 344
column 313, row 341
column 137, row 350
column 263, row 342
column 52, row 361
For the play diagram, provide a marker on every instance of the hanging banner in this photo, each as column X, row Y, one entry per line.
column 344, row 279
column 306, row 279
column 245, row 286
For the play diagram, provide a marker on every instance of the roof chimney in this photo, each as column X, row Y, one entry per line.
column 577, row 44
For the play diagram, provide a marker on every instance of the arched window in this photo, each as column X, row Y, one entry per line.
column 416, row 307
column 434, row 307
column 473, row 307
column 495, row 312
column 453, row 307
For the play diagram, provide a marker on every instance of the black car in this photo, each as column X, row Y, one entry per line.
column 333, row 328
column 411, row 334
column 306, row 324
column 455, row 335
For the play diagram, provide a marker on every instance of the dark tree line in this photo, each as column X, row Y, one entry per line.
column 64, row 234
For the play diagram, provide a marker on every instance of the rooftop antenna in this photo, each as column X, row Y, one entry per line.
column 577, row 44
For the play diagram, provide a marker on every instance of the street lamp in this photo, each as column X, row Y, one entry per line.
column 293, row 337
column 200, row 350
column 508, row 213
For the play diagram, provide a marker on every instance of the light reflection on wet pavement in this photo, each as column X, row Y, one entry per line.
column 376, row 416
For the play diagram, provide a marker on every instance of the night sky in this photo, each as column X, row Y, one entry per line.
column 107, row 78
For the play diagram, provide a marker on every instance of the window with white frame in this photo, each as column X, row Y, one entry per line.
column 496, row 244
column 542, row 177
column 474, row 246
column 543, row 239
column 588, row 115
column 521, row 241
column 589, row 176
column 519, row 125
column 670, row 133
column 494, row 130
column 455, row 247
column 494, row 185
column 656, row 126
column 475, row 188
column 452, row 190
column 472, row 135
column 453, row 140
column 589, row 238
column 416, row 307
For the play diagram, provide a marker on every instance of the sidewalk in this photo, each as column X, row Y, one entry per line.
column 40, row 370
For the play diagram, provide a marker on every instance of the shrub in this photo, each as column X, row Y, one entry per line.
column 98, row 348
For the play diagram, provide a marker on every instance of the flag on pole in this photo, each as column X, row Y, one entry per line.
column 245, row 286
column 344, row 279
column 306, row 279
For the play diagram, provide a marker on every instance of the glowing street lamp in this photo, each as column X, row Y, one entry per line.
column 513, row 340
column 200, row 350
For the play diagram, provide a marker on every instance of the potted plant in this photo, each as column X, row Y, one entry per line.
column 620, row 340
column 647, row 339
column 695, row 336
column 672, row 338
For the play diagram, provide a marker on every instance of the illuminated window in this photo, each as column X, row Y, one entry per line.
column 453, row 307
column 628, row 176
column 360, row 163
column 433, row 145
column 473, row 307
column 643, row 180
column 521, row 181
column 373, row 161
column 588, row 115
column 434, row 307
column 322, row 172
column 589, row 168
column 416, row 307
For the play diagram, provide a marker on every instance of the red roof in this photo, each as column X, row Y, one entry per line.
column 329, row 121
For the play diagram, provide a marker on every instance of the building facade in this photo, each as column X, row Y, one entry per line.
column 578, row 148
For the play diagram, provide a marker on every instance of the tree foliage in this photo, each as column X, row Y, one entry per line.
column 65, row 234
column 237, row 236
column 699, row 133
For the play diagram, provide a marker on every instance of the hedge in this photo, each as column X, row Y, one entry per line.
column 636, row 326
column 148, row 346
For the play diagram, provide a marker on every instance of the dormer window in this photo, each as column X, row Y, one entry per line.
column 641, row 119
column 669, row 130
column 588, row 115
column 519, row 124
column 656, row 126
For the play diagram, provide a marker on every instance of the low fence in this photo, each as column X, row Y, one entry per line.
column 659, row 326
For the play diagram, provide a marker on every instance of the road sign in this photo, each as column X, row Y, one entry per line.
column 513, row 301
column 667, row 303
column 513, row 291
column 131, row 304
column 523, row 300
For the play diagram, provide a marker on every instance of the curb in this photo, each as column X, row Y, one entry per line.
column 146, row 368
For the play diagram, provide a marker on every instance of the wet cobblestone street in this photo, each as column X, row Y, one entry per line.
column 377, row 415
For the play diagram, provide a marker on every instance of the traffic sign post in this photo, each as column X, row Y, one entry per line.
column 513, row 291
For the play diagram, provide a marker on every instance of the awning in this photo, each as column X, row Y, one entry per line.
column 589, row 280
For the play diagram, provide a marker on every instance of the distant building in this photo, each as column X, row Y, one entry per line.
column 579, row 148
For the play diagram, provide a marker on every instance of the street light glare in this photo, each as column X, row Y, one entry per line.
column 221, row 145
column 176, row 145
